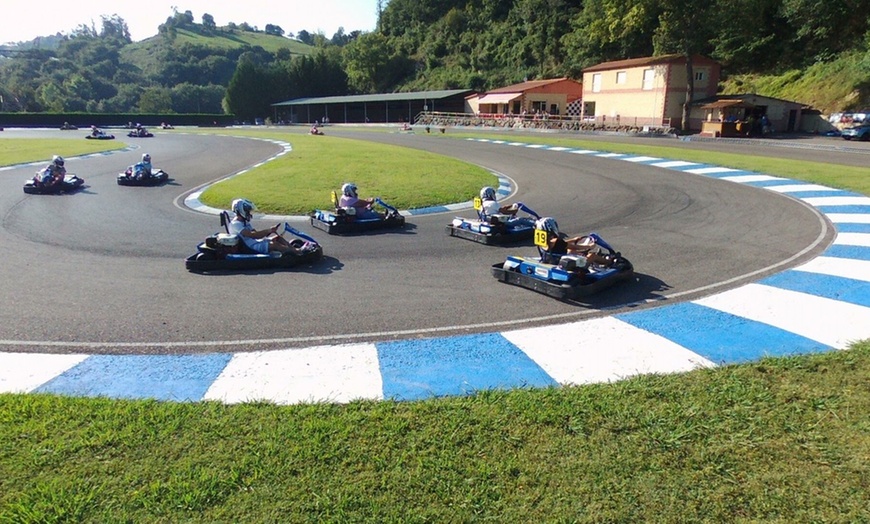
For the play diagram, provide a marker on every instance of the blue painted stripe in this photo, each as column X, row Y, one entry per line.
column 737, row 172
column 769, row 183
column 854, row 252
column 853, row 228
column 844, row 209
column 427, row 210
column 724, row 338
column 817, row 193
column 419, row 369
column 162, row 377
column 820, row 285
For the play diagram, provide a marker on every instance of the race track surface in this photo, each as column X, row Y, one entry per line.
column 106, row 267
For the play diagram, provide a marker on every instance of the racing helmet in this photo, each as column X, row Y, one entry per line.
column 349, row 189
column 57, row 160
column 487, row 193
column 243, row 208
column 146, row 158
column 548, row 224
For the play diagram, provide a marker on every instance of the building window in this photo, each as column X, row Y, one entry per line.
column 596, row 83
column 620, row 77
column 539, row 106
column 699, row 75
column 649, row 76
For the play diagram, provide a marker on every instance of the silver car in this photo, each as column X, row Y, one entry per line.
column 859, row 132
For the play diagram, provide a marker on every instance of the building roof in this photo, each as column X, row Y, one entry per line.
column 727, row 103
column 525, row 86
column 646, row 61
column 747, row 98
column 382, row 97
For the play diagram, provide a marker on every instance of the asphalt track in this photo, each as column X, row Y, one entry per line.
column 105, row 266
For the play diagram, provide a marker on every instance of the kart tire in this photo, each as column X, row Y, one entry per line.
column 204, row 256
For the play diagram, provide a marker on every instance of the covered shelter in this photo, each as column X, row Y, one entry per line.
column 753, row 114
column 376, row 108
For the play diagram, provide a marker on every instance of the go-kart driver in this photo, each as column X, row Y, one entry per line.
column 560, row 244
column 52, row 174
column 490, row 209
column 362, row 206
column 261, row 241
column 142, row 169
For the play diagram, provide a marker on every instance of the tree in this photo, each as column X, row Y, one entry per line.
column 208, row 23
column 684, row 29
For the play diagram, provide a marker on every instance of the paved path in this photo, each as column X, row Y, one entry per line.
column 821, row 305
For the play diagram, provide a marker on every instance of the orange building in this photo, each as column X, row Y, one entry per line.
column 552, row 97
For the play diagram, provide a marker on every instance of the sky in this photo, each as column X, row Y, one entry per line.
column 24, row 20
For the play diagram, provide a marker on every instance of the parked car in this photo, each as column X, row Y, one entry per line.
column 859, row 132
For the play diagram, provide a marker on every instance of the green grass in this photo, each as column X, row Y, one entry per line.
column 781, row 440
column 298, row 182
column 25, row 150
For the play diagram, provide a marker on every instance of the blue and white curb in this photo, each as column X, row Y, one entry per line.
column 821, row 305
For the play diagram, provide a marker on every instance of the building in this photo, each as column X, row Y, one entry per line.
column 742, row 115
column 378, row 108
column 554, row 97
column 643, row 92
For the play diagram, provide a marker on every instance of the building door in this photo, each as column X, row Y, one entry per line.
column 792, row 118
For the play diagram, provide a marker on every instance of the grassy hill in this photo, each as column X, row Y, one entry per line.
column 143, row 53
column 840, row 85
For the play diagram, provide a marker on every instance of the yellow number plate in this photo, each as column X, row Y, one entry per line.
column 478, row 204
column 541, row 238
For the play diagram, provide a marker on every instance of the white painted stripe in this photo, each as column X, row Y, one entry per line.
column 602, row 350
column 642, row 159
column 713, row 170
column 610, row 155
column 853, row 239
column 517, row 144
column 559, row 148
column 745, row 179
column 794, row 188
column 838, row 201
column 499, row 142
column 23, row 372
column 583, row 151
column 849, row 218
column 838, row 267
column 828, row 321
column 675, row 163
column 535, row 146
column 314, row 374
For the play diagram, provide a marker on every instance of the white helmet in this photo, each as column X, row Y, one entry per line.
column 487, row 193
column 146, row 158
column 57, row 160
column 349, row 189
column 243, row 208
column 548, row 224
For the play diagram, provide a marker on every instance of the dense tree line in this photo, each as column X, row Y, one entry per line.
column 426, row 44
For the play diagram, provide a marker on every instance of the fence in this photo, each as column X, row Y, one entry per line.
column 555, row 122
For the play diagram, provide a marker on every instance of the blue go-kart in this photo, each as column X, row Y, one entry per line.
column 564, row 276
column 227, row 252
column 494, row 229
column 342, row 221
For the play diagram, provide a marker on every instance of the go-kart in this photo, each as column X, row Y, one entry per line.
column 565, row 276
column 140, row 134
column 340, row 221
column 69, row 184
column 100, row 136
column 68, row 127
column 157, row 177
column 227, row 252
column 496, row 229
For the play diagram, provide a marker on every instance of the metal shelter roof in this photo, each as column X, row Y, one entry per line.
column 384, row 97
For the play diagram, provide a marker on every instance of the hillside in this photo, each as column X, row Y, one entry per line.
column 842, row 84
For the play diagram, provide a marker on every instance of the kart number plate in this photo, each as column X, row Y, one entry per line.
column 541, row 238
column 478, row 204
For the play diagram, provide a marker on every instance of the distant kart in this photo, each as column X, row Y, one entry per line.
column 156, row 178
column 68, row 127
column 342, row 221
column 226, row 252
column 564, row 277
column 100, row 136
column 70, row 184
column 498, row 229
column 140, row 134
